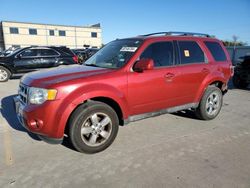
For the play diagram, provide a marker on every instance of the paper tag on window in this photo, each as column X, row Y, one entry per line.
column 128, row 49
column 186, row 53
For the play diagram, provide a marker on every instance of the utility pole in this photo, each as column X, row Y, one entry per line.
column 46, row 31
column 235, row 38
column 75, row 38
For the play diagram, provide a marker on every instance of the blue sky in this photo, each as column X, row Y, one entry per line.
column 222, row 18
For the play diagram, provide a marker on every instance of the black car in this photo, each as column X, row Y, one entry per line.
column 90, row 52
column 240, row 56
column 84, row 54
column 8, row 51
column 34, row 58
column 241, row 78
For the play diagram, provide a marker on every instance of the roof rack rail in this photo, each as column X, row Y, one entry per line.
column 178, row 33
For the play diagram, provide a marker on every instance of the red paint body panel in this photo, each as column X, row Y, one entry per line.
column 135, row 93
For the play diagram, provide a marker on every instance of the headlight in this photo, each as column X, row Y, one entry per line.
column 39, row 95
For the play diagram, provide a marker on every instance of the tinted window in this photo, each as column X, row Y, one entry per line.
column 190, row 52
column 161, row 53
column 29, row 53
column 48, row 52
column 14, row 30
column 62, row 33
column 32, row 31
column 93, row 34
column 216, row 51
column 65, row 51
column 51, row 32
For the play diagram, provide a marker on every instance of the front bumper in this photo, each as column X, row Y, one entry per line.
column 37, row 121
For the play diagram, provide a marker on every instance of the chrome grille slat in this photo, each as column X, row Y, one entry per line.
column 23, row 93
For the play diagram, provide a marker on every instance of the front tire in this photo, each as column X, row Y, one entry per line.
column 4, row 74
column 93, row 127
column 210, row 104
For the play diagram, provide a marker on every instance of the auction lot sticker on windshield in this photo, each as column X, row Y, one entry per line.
column 128, row 49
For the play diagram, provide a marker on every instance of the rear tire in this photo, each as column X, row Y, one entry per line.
column 210, row 104
column 93, row 127
column 4, row 74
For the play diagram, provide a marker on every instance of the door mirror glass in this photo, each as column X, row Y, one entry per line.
column 144, row 64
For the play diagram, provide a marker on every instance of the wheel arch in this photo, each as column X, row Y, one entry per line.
column 217, row 81
column 7, row 67
column 109, row 101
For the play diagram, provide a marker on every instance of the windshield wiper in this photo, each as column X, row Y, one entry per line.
column 92, row 65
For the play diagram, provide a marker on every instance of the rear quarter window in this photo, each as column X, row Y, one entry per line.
column 216, row 51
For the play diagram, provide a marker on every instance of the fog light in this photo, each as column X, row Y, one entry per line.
column 36, row 124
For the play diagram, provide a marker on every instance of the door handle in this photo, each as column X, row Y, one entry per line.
column 205, row 70
column 169, row 77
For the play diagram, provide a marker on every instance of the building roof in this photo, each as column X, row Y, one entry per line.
column 98, row 25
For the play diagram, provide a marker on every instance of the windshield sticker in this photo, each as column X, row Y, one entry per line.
column 186, row 53
column 128, row 49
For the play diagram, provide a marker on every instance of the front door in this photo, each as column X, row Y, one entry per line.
column 156, row 89
column 26, row 61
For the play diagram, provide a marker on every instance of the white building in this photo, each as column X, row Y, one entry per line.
column 23, row 34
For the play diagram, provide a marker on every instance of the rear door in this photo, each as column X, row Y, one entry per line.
column 49, row 58
column 194, row 68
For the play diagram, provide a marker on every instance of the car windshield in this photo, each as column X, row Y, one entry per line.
column 115, row 54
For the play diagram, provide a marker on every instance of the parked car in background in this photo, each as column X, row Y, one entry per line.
column 127, row 80
column 90, row 52
column 34, row 58
column 8, row 51
column 80, row 53
column 241, row 60
column 84, row 54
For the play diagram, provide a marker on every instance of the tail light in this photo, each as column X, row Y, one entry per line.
column 75, row 58
column 232, row 70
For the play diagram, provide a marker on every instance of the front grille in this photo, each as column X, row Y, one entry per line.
column 23, row 93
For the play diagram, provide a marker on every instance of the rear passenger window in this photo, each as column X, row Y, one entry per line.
column 190, row 52
column 216, row 51
column 161, row 53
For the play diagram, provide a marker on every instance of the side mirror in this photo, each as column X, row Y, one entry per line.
column 144, row 64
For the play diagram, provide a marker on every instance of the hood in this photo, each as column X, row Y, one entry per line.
column 4, row 59
column 48, row 77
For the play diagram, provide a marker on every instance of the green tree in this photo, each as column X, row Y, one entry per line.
column 234, row 42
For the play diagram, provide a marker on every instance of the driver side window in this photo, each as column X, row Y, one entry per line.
column 161, row 52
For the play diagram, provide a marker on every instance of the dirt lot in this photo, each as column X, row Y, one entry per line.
column 174, row 150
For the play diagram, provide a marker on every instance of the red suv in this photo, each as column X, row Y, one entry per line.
column 127, row 80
